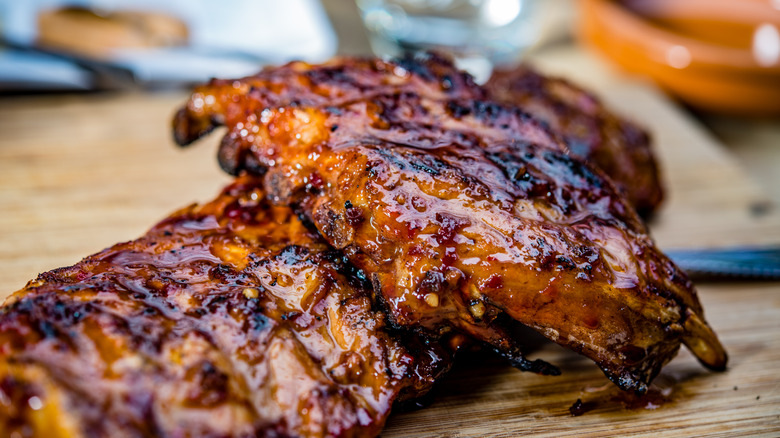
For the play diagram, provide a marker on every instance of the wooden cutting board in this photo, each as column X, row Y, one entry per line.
column 79, row 173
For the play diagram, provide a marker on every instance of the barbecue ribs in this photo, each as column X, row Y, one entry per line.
column 461, row 211
column 618, row 147
column 233, row 308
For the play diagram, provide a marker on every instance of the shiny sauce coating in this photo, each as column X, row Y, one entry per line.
column 461, row 210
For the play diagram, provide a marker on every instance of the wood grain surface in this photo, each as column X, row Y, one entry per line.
column 79, row 173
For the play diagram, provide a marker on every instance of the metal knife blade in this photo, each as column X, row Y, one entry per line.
column 757, row 263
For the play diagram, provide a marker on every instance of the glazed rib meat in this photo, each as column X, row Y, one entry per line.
column 617, row 146
column 463, row 213
column 226, row 320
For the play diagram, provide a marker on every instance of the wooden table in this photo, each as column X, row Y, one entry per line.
column 79, row 173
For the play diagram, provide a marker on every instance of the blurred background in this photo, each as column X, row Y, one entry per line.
column 718, row 59
column 115, row 44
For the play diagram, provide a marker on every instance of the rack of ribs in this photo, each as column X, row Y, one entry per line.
column 462, row 212
column 233, row 308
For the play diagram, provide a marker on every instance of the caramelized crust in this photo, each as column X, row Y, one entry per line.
column 618, row 147
column 462, row 211
column 228, row 319
column 339, row 81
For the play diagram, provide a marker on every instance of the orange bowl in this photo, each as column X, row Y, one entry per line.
column 716, row 55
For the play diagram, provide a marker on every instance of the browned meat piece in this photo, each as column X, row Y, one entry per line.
column 229, row 319
column 463, row 211
column 620, row 148
column 617, row 146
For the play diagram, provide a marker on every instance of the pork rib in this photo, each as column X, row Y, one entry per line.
column 619, row 147
column 230, row 319
column 462, row 211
